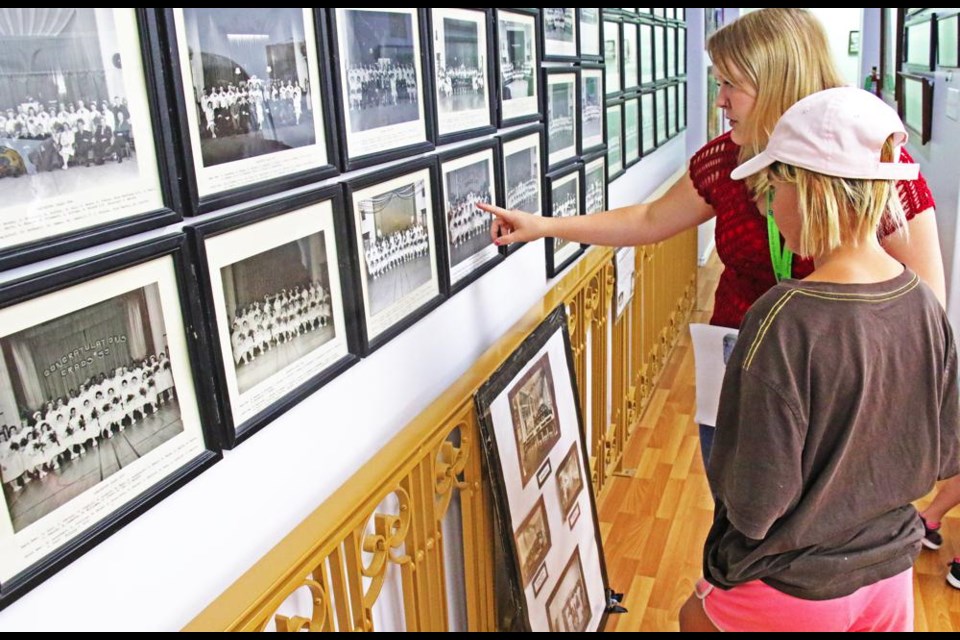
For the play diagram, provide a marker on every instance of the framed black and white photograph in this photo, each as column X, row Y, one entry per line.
column 612, row 53
column 559, row 34
column 250, row 87
column 522, row 153
column 563, row 201
column 631, row 64
column 663, row 133
column 648, row 123
column 468, row 177
column 394, row 243
column 517, row 66
column 462, row 49
column 279, row 303
column 560, row 91
column 682, row 106
column 647, row 54
column 595, row 183
column 99, row 394
column 631, row 132
column 85, row 146
column 682, row 51
column 591, row 107
column 529, row 410
column 672, row 126
column 588, row 25
column 671, row 38
column 615, row 164
column 659, row 52
column 379, row 80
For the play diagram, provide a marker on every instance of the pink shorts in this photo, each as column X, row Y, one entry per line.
column 754, row 606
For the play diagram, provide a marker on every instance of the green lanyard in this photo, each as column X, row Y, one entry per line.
column 781, row 259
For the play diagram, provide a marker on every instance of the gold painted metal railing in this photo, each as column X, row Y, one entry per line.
column 389, row 516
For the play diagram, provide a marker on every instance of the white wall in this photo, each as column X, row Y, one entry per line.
column 839, row 22
column 162, row 569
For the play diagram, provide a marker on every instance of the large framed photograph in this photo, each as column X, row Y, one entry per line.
column 517, row 66
column 564, row 199
column 631, row 132
column 522, row 152
column 630, row 76
column 462, row 50
column 250, row 85
column 671, row 38
column 594, row 182
column 659, row 52
column 559, row 34
column 561, row 86
column 85, row 147
column 588, row 25
column 648, row 123
column 672, row 126
column 379, row 81
column 530, row 422
column 682, row 106
column 615, row 163
column 591, row 107
column 100, row 384
column 277, row 292
column 647, row 54
column 612, row 53
column 468, row 176
column 682, row 51
column 394, row 240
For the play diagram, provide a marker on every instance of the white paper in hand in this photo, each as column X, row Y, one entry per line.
column 711, row 350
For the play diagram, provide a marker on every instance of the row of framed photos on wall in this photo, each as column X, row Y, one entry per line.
column 640, row 52
column 637, row 124
column 158, row 356
column 125, row 120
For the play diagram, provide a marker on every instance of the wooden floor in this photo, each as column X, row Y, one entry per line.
column 654, row 523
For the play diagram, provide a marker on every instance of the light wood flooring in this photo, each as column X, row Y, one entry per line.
column 655, row 522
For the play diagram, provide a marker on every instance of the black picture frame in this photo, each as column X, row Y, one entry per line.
column 562, row 253
column 234, row 174
column 590, row 163
column 592, row 72
column 673, row 127
column 671, row 56
column 948, row 40
column 612, row 54
column 471, row 129
column 570, row 51
column 511, row 143
column 648, row 123
column 682, row 106
column 46, row 302
column 614, row 116
column 371, row 150
column 663, row 118
column 913, row 86
column 682, row 51
column 527, row 108
column 489, row 255
column 630, row 42
column 594, row 16
column 631, row 132
column 659, row 52
column 560, row 155
column 648, row 55
column 262, row 236
column 540, row 354
column 374, row 333
column 27, row 238
column 919, row 53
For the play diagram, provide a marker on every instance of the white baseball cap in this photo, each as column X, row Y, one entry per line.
column 837, row 132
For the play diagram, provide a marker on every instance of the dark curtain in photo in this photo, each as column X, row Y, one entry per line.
column 270, row 272
column 119, row 324
column 50, row 55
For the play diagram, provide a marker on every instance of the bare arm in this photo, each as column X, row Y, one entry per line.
column 678, row 209
column 920, row 250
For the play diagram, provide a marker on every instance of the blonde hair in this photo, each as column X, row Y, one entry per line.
column 841, row 211
column 783, row 56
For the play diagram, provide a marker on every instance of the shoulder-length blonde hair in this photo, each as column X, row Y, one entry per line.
column 783, row 56
column 837, row 212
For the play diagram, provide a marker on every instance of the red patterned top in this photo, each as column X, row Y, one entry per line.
column 741, row 232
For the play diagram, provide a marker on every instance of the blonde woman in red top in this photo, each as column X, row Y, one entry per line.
column 764, row 62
